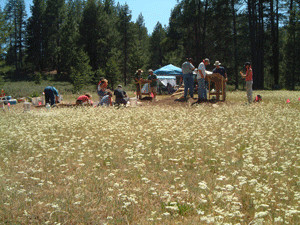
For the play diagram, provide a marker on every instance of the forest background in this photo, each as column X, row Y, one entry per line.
column 85, row 40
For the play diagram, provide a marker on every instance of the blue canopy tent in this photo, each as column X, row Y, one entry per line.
column 168, row 70
column 165, row 75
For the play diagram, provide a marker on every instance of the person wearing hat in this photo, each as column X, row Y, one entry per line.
column 121, row 95
column 201, row 74
column 188, row 77
column 249, row 80
column 220, row 70
column 137, row 79
column 51, row 95
column 153, row 84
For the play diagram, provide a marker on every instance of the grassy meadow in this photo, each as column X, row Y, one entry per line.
column 227, row 163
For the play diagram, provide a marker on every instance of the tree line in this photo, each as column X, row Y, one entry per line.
column 84, row 40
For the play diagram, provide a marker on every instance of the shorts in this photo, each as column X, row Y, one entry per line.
column 153, row 89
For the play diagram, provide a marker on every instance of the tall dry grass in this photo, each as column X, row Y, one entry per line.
column 222, row 164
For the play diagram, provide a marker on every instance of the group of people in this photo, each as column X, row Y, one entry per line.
column 105, row 95
column 188, row 79
column 152, row 80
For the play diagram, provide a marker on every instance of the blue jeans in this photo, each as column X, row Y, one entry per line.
column 249, row 90
column 188, row 80
column 202, row 89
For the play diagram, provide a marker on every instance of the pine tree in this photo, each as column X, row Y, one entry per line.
column 94, row 31
column 70, row 37
column 139, row 56
column 156, row 51
column 291, row 47
column 112, row 72
column 81, row 72
column 53, row 19
column 126, row 35
column 15, row 17
column 5, row 31
column 35, row 41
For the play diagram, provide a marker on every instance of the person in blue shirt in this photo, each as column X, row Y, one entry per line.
column 188, row 77
column 51, row 94
column 220, row 70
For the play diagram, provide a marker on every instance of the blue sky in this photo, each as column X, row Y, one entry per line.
column 152, row 10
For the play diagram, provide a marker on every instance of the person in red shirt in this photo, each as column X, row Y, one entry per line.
column 86, row 98
column 249, row 81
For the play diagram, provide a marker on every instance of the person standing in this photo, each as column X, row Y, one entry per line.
column 102, row 88
column 220, row 70
column 121, row 95
column 249, row 80
column 153, row 84
column 51, row 95
column 188, row 77
column 202, row 94
column 138, row 78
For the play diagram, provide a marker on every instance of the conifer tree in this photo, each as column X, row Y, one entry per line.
column 15, row 16
column 35, row 41
column 126, row 35
column 155, row 48
column 70, row 37
column 5, row 30
column 81, row 72
column 53, row 19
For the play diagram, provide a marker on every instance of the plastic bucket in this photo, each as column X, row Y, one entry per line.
column 26, row 106
column 34, row 101
column 133, row 102
column 40, row 100
column 60, row 98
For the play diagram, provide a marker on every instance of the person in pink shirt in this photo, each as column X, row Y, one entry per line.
column 249, row 81
column 86, row 98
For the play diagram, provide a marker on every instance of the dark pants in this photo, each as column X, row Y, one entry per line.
column 121, row 101
column 49, row 95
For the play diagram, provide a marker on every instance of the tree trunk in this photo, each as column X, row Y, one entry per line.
column 235, row 45
column 274, row 41
column 203, row 53
column 252, row 30
column 260, row 49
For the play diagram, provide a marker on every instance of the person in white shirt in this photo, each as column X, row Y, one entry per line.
column 202, row 95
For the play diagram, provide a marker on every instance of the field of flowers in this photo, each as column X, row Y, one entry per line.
column 154, row 164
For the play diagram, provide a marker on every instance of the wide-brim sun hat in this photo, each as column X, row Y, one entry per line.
column 217, row 63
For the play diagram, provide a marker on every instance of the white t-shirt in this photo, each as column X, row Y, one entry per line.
column 201, row 68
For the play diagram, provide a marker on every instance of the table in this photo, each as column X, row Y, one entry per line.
column 219, row 81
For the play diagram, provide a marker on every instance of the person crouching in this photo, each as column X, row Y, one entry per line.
column 106, row 100
column 86, row 98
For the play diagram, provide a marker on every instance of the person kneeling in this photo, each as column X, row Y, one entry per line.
column 84, row 99
column 121, row 95
column 106, row 100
